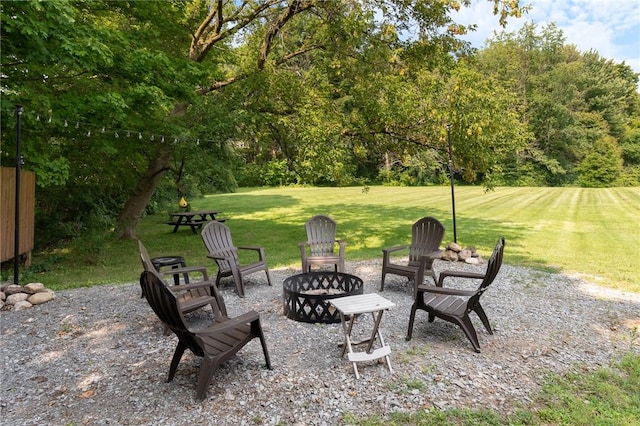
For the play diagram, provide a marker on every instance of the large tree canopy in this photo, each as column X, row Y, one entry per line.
column 580, row 108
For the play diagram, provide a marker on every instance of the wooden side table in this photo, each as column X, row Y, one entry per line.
column 352, row 306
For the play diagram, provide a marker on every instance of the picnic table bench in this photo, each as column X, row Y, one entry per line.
column 194, row 220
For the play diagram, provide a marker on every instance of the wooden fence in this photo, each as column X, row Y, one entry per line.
column 8, row 212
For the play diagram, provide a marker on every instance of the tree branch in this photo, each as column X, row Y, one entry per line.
column 293, row 9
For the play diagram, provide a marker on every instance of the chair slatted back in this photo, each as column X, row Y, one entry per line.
column 165, row 305
column 426, row 237
column 217, row 239
column 144, row 257
column 321, row 235
column 493, row 267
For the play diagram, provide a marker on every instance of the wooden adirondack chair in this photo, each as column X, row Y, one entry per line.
column 216, row 343
column 321, row 244
column 426, row 237
column 191, row 295
column 217, row 239
column 455, row 305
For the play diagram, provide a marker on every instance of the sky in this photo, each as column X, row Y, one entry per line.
column 610, row 27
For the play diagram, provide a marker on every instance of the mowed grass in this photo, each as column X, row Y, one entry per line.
column 591, row 233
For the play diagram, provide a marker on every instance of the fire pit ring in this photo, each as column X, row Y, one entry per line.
column 306, row 296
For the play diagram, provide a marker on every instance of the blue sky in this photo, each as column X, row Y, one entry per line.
column 610, row 27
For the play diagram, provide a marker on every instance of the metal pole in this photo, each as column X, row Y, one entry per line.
column 453, row 197
column 19, row 163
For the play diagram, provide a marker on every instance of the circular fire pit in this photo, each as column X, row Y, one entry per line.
column 306, row 296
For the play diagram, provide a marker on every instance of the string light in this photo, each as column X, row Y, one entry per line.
column 89, row 128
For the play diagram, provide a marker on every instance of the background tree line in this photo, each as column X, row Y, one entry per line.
column 130, row 105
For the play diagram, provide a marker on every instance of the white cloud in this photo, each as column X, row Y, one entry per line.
column 610, row 27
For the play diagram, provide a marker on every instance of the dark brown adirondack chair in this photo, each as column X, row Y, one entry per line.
column 217, row 239
column 216, row 343
column 321, row 244
column 455, row 305
column 191, row 295
column 426, row 236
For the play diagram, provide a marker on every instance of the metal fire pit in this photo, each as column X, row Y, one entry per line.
column 306, row 296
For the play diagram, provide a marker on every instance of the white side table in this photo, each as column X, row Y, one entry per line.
column 361, row 304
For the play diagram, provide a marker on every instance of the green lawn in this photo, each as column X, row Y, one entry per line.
column 593, row 233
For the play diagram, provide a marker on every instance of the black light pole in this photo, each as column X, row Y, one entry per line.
column 453, row 198
column 19, row 164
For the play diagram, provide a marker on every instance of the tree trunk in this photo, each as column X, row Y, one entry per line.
column 139, row 198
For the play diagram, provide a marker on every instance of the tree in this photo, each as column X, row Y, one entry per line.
column 570, row 101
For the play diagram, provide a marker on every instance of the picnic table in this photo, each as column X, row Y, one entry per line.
column 194, row 220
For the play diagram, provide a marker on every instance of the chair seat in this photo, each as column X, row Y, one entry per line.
column 448, row 305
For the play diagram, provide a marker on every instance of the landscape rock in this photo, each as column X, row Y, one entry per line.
column 465, row 254
column 41, row 297
column 34, row 288
column 14, row 298
column 454, row 247
column 31, row 294
column 21, row 305
column 450, row 255
column 12, row 289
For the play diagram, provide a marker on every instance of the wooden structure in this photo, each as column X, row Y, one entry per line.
column 8, row 213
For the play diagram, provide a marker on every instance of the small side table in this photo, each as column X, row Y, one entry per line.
column 352, row 306
column 174, row 262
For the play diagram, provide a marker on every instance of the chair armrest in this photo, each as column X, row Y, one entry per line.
column 395, row 248
column 303, row 250
column 190, row 286
column 448, row 291
column 187, row 270
column 260, row 250
column 255, row 248
column 458, row 274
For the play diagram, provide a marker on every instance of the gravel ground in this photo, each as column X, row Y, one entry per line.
column 97, row 356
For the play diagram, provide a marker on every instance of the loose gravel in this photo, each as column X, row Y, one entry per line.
column 98, row 356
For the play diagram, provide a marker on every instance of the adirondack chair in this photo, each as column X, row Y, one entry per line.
column 321, row 244
column 217, row 239
column 426, row 236
column 216, row 343
column 455, row 305
column 191, row 295
column 176, row 270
